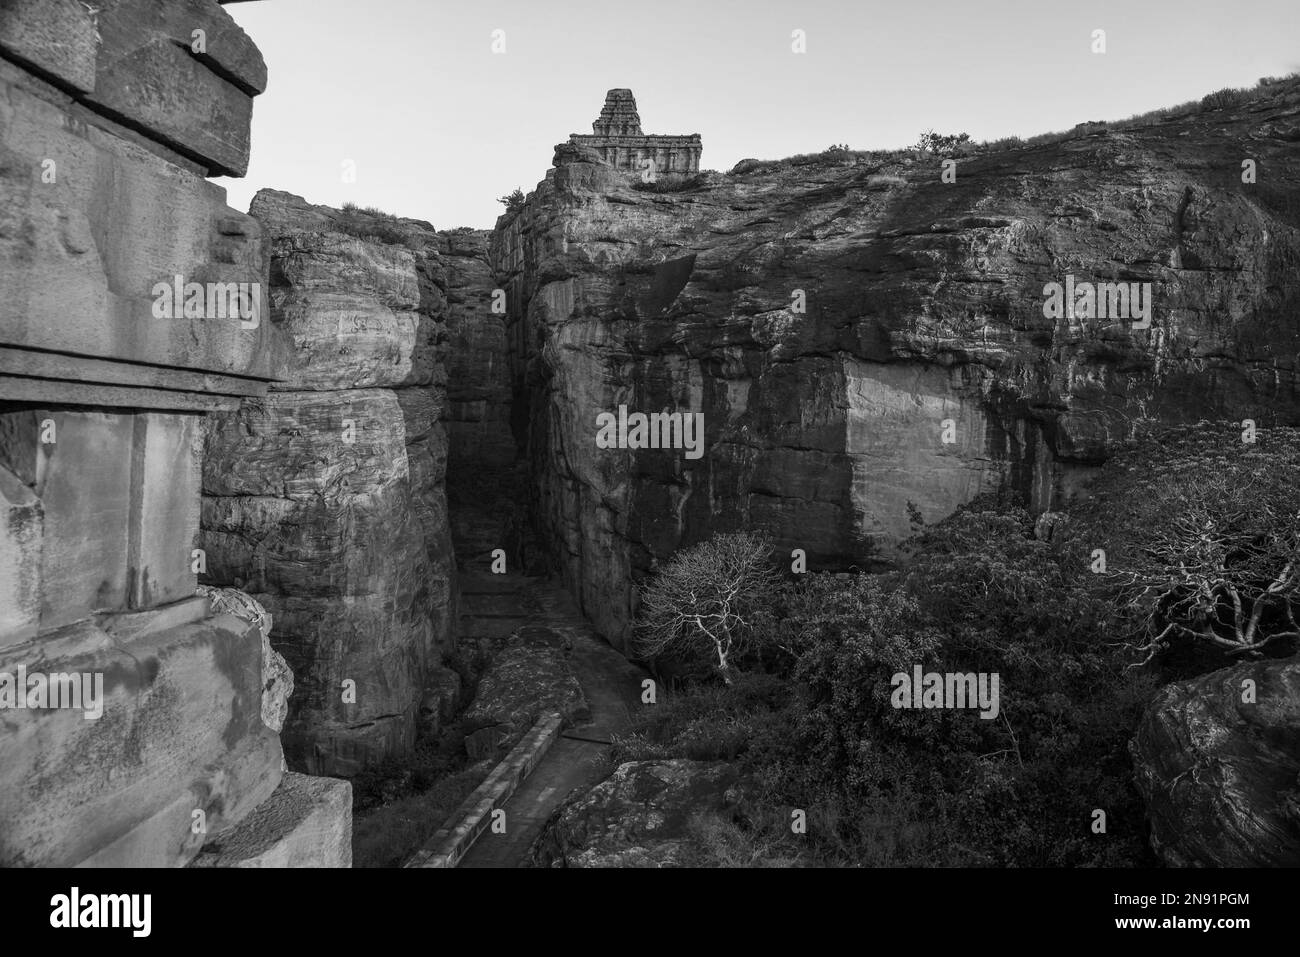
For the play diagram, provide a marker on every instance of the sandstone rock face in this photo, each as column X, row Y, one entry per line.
column 1221, row 775
column 640, row 815
column 859, row 334
column 326, row 499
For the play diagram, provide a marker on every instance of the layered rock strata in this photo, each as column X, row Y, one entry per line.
column 326, row 499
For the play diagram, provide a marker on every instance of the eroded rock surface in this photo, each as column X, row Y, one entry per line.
column 326, row 499
column 1220, row 774
column 640, row 816
column 527, row 679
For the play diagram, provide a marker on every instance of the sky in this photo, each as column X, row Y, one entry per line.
column 437, row 126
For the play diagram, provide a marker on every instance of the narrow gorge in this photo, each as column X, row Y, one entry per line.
column 348, row 554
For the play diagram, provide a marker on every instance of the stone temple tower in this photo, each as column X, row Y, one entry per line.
column 616, row 135
column 618, row 117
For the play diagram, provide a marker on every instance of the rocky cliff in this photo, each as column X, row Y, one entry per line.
column 861, row 334
column 326, row 499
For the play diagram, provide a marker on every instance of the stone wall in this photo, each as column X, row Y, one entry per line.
column 109, row 122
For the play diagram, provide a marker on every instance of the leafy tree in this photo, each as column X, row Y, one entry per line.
column 706, row 599
column 514, row 201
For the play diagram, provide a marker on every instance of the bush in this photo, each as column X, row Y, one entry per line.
column 1224, row 99
column 980, row 594
column 953, row 144
column 669, row 183
column 514, row 201
column 370, row 224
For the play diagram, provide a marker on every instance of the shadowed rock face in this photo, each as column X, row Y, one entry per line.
column 924, row 302
column 1221, row 775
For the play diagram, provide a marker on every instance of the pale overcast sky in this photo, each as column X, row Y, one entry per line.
column 439, row 126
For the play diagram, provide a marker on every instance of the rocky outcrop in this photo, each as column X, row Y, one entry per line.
column 1217, row 759
column 641, row 815
column 325, row 500
column 860, row 334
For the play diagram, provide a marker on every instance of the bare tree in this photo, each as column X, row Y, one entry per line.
column 1217, row 559
column 704, row 598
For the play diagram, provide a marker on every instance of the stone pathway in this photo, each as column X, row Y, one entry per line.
column 493, row 606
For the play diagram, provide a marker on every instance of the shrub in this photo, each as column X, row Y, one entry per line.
column 514, row 201
column 1223, row 99
column 370, row 224
column 669, row 183
column 953, row 144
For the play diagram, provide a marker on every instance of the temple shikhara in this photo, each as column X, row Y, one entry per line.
column 616, row 136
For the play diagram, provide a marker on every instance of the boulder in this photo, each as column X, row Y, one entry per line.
column 641, row 815
column 1217, row 759
column 520, row 684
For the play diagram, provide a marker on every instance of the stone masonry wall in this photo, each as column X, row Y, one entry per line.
column 109, row 123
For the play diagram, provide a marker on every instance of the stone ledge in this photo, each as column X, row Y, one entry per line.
column 452, row 841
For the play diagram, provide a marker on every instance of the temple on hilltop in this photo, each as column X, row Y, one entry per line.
column 616, row 136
